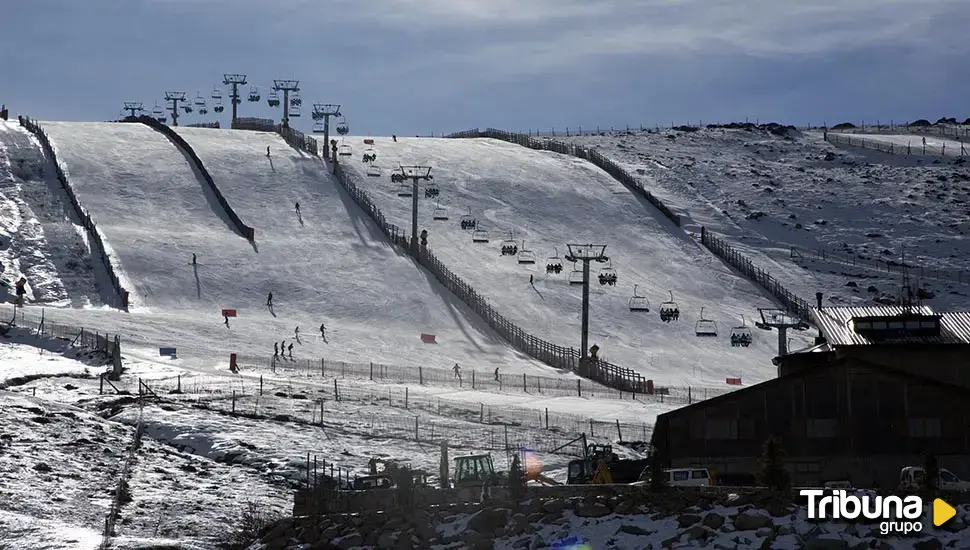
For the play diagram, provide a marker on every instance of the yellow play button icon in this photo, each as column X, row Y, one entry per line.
column 942, row 512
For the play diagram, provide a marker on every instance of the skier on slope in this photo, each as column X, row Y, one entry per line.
column 297, row 208
column 496, row 375
column 193, row 259
column 457, row 370
column 227, row 320
column 269, row 299
column 276, row 349
column 323, row 331
column 290, row 349
column 296, row 332
column 530, row 279
column 267, row 150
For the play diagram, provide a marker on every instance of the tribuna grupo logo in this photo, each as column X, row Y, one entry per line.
column 895, row 515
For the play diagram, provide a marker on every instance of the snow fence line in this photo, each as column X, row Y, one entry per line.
column 793, row 304
column 179, row 141
column 920, row 149
column 560, row 357
column 94, row 236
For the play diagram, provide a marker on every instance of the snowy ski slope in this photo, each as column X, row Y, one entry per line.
column 156, row 212
column 330, row 264
column 548, row 200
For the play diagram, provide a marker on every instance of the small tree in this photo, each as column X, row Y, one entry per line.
column 931, row 471
column 516, row 480
column 774, row 475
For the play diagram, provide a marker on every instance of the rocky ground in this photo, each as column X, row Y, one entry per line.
column 629, row 521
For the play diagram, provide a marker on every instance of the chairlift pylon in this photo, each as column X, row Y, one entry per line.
column 576, row 275
column 526, row 256
column 741, row 335
column 705, row 327
column 637, row 302
column 669, row 311
column 439, row 213
column 554, row 263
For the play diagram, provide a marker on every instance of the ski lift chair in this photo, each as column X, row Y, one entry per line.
column 318, row 127
column 203, row 111
column 199, row 100
column 345, row 150
column 404, row 190
column 158, row 112
column 480, row 236
column 576, row 275
column 637, row 302
column 526, row 256
column 607, row 275
column 254, row 95
column 296, row 100
column 216, row 93
column 554, row 263
column 705, row 327
column 439, row 213
column 273, row 100
column 342, row 127
column 295, row 111
column 468, row 221
column 369, row 155
column 163, row 119
column 187, row 108
column 510, row 247
column 431, row 191
column 741, row 335
column 373, row 170
column 669, row 311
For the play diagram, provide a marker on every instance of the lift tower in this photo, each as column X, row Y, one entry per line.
column 586, row 253
column 774, row 318
column 286, row 86
column 134, row 107
column 234, row 81
column 174, row 98
column 324, row 111
column 415, row 173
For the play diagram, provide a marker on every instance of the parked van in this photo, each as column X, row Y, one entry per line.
column 911, row 479
column 680, row 477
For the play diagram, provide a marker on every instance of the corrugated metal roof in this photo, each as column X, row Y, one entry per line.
column 834, row 322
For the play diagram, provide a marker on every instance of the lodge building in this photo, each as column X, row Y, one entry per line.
column 881, row 388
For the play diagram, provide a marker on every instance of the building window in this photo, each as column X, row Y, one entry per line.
column 721, row 428
column 808, row 467
column 821, row 427
column 925, row 427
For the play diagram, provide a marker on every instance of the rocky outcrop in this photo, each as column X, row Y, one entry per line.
column 639, row 520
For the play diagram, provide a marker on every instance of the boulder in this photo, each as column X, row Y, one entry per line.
column 489, row 521
column 634, row 530
column 826, row 544
column 554, row 506
column 748, row 521
column 713, row 520
column 686, row 520
column 928, row 544
column 593, row 509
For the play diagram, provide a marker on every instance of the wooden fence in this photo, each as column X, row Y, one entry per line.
column 122, row 492
column 793, row 304
column 245, row 230
column 889, row 266
column 955, row 132
column 593, row 156
column 557, row 356
column 94, row 236
column 919, row 148
column 298, row 140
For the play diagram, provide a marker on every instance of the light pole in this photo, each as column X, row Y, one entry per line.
column 586, row 253
column 415, row 172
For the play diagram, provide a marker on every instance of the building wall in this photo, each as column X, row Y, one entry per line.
column 837, row 411
column 948, row 364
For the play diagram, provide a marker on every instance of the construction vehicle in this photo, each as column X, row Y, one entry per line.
column 602, row 465
column 476, row 470
column 384, row 474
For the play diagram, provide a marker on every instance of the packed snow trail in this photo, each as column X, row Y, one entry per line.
column 550, row 200
column 329, row 263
